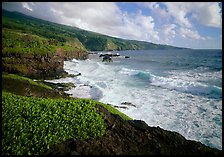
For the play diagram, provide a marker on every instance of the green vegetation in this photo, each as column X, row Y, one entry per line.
column 114, row 111
column 62, row 34
column 21, row 78
column 14, row 42
column 32, row 125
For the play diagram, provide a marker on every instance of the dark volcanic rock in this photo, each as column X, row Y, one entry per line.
column 124, row 107
column 132, row 137
column 110, row 55
column 107, row 58
column 128, row 104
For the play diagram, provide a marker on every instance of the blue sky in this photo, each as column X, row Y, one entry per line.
column 183, row 24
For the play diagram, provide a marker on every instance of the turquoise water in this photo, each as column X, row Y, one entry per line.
column 178, row 90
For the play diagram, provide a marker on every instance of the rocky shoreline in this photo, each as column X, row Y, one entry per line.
column 123, row 137
column 132, row 137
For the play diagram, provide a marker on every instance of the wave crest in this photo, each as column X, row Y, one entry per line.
column 195, row 88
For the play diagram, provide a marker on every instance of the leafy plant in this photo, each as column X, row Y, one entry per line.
column 32, row 125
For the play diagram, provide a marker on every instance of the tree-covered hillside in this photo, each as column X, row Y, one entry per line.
column 61, row 33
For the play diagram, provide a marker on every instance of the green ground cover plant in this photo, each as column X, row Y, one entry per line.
column 32, row 125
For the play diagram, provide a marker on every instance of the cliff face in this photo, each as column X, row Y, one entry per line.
column 68, row 55
column 39, row 66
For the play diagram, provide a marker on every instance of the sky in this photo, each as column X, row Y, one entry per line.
column 184, row 24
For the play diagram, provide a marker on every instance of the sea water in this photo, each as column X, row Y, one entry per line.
column 177, row 90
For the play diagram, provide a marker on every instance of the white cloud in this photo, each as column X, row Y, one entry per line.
column 27, row 6
column 169, row 30
column 160, row 14
column 181, row 13
column 102, row 17
column 206, row 13
column 91, row 16
column 191, row 34
column 179, row 10
column 185, row 15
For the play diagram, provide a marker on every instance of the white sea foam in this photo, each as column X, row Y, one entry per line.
column 179, row 82
column 198, row 74
column 194, row 116
column 127, row 71
column 186, row 86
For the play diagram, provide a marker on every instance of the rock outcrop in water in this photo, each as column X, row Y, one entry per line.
column 132, row 137
column 107, row 58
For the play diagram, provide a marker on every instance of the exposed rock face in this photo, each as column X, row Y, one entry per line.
column 77, row 55
column 132, row 138
column 39, row 66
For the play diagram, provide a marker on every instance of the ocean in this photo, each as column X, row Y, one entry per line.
column 177, row 90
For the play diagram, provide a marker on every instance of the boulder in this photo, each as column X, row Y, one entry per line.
column 107, row 58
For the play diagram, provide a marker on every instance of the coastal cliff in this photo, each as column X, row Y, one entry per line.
column 40, row 66
column 38, row 53
column 35, row 56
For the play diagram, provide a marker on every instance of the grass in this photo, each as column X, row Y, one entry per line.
column 32, row 125
column 21, row 78
column 115, row 111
